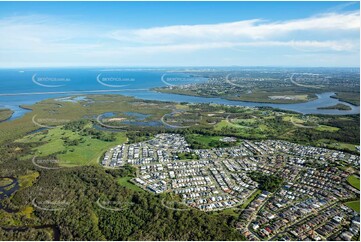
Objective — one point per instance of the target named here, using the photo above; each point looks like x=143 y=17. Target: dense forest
x=266 y=182
x=76 y=191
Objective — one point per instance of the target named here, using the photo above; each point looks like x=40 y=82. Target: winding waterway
x=7 y=191
x=20 y=88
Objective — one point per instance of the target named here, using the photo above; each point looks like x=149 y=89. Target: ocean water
x=28 y=86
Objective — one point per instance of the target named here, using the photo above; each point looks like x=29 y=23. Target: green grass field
x=248 y=121
x=207 y=141
x=355 y=205
x=85 y=153
x=290 y=118
x=221 y=125
x=234 y=124
x=125 y=182
x=354 y=181
x=327 y=128
x=336 y=145
x=245 y=131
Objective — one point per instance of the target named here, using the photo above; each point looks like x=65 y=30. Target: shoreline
x=221 y=101
x=236 y=100
x=8 y=118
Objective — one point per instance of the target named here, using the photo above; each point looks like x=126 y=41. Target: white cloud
x=42 y=33
x=254 y=29
x=63 y=40
x=304 y=46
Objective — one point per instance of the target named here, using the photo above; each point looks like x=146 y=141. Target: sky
x=75 y=34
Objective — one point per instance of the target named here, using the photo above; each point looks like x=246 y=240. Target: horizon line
x=180 y=66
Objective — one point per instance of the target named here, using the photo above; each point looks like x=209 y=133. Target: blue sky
x=179 y=34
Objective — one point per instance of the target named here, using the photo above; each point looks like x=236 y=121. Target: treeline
x=144 y=219
x=84 y=128
x=349 y=128
x=266 y=182
x=29 y=234
x=135 y=137
x=98 y=134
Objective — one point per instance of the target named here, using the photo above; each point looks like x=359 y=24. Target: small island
x=338 y=106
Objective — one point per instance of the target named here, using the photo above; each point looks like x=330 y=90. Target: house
x=346 y=236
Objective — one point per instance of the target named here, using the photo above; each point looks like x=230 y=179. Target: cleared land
x=125 y=182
